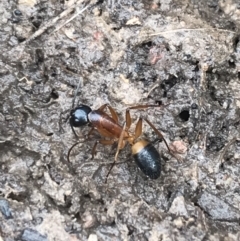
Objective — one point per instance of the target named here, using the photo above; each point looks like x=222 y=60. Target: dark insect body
x=144 y=153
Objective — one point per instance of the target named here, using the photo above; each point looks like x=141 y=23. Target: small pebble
x=92 y=237
x=4 y=208
x=32 y=235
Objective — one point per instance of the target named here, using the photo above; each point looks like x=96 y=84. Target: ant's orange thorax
x=105 y=124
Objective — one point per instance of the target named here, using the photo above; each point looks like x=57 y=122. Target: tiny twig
x=185 y=30
x=53 y=21
x=69 y=20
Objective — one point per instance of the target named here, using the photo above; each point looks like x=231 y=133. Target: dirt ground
x=183 y=54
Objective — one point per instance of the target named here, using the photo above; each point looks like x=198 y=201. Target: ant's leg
x=128 y=119
x=120 y=142
x=158 y=133
x=103 y=142
x=109 y=142
x=136 y=107
x=69 y=151
x=112 y=111
x=94 y=149
x=138 y=129
x=161 y=136
x=148 y=106
x=128 y=116
x=73 y=131
x=90 y=132
x=120 y=146
x=103 y=107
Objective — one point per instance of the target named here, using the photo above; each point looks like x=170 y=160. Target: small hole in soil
x=231 y=64
x=87 y=196
x=130 y=230
x=54 y=94
x=116 y=28
x=184 y=115
x=20 y=39
x=221 y=166
x=169 y=194
x=167 y=47
x=148 y=44
x=159 y=102
x=16 y=197
x=196 y=69
x=113 y=223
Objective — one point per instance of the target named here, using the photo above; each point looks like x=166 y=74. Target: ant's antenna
x=76 y=92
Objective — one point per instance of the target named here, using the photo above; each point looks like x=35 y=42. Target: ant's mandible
x=144 y=153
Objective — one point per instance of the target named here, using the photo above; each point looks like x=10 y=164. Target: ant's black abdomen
x=79 y=116
x=147 y=158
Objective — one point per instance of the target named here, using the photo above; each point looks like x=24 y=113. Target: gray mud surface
x=184 y=54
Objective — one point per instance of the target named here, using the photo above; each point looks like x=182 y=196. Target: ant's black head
x=79 y=116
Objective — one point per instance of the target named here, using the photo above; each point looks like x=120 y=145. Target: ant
x=144 y=153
